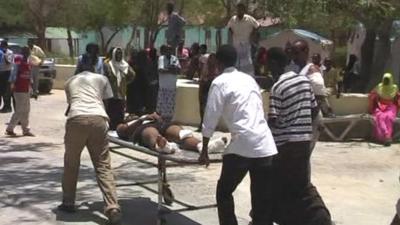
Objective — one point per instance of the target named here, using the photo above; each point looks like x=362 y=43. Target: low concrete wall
x=63 y=73
x=187 y=103
x=349 y=104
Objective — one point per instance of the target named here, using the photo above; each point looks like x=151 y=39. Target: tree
x=40 y=13
x=101 y=14
x=69 y=16
x=377 y=16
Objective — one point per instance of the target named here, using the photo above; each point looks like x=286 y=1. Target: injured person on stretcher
x=152 y=132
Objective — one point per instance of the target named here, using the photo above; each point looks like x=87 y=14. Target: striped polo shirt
x=291 y=103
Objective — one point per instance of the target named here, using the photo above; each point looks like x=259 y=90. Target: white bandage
x=185 y=134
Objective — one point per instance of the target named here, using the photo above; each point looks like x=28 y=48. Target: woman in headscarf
x=119 y=73
x=383 y=105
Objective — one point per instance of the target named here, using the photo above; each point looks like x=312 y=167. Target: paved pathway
x=358 y=181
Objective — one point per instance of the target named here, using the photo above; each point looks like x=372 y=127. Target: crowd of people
x=136 y=98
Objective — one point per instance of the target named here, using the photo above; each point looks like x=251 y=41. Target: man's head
x=4 y=44
x=87 y=64
x=277 y=61
x=163 y=49
x=226 y=56
x=170 y=8
x=195 y=49
x=31 y=42
x=240 y=10
x=328 y=63
x=26 y=52
x=168 y=50
x=93 y=49
x=300 y=52
x=203 y=49
x=316 y=59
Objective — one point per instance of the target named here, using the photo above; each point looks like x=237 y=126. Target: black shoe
x=35 y=96
x=387 y=143
x=114 y=217
x=67 y=208
x=11 y=133
x=5 y=110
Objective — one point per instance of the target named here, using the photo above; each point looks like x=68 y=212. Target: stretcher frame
x=163 y=187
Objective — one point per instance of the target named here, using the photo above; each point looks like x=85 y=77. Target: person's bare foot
x=163 y=146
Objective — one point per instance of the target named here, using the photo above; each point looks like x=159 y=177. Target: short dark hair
x=304 y=44
x=241 y=5
x=227 y=55
x=4 y=43
x=91 y=46
x=86 y=64
x=203 y=46
x=277 y=54
x=170 y=6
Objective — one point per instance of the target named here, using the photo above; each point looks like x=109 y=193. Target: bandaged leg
x=183 y=134
x=163 y=146
x=214 y=146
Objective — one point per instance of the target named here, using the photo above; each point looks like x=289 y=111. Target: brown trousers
x=89 y=131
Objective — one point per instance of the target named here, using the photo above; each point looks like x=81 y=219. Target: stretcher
x=179 y=158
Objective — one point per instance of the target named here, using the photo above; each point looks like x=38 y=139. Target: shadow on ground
x=9 y=146
x=136 y=211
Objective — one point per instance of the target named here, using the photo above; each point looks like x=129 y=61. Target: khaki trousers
x=21 y=112
x=89 y=131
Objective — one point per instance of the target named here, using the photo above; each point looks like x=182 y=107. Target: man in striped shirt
x=292 y=110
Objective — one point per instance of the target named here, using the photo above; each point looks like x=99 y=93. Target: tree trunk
x=382 y=54
x=147 y=37
x=218 y=38
x=367 y=57
x=70 y=44
x=41 y=34
x=129 y=46
x=111 y=38
x=154 y=36
x=102 y=47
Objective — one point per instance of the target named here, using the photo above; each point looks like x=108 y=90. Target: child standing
x=20 y=81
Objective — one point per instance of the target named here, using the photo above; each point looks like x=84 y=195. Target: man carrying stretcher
x=152 y=132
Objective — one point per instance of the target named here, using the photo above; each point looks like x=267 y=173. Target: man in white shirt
x=87 y=126
x=236 y=97
x=37 y=57
x=242 y=26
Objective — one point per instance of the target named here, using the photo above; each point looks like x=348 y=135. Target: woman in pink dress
x=383 y=105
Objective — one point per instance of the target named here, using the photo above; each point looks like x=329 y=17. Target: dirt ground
x=358 y=181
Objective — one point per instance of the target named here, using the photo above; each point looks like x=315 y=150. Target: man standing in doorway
x=293 y=107
x=5 y=71
x=87 y=126
x=174 y=31
x=242 y=27
x=237 y=98
x=37 y=58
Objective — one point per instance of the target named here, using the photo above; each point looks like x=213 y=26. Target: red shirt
x=23 y=79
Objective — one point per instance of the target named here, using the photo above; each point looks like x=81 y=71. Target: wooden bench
x=343 y=128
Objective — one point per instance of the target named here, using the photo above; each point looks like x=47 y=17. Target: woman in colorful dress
x=383 y=105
